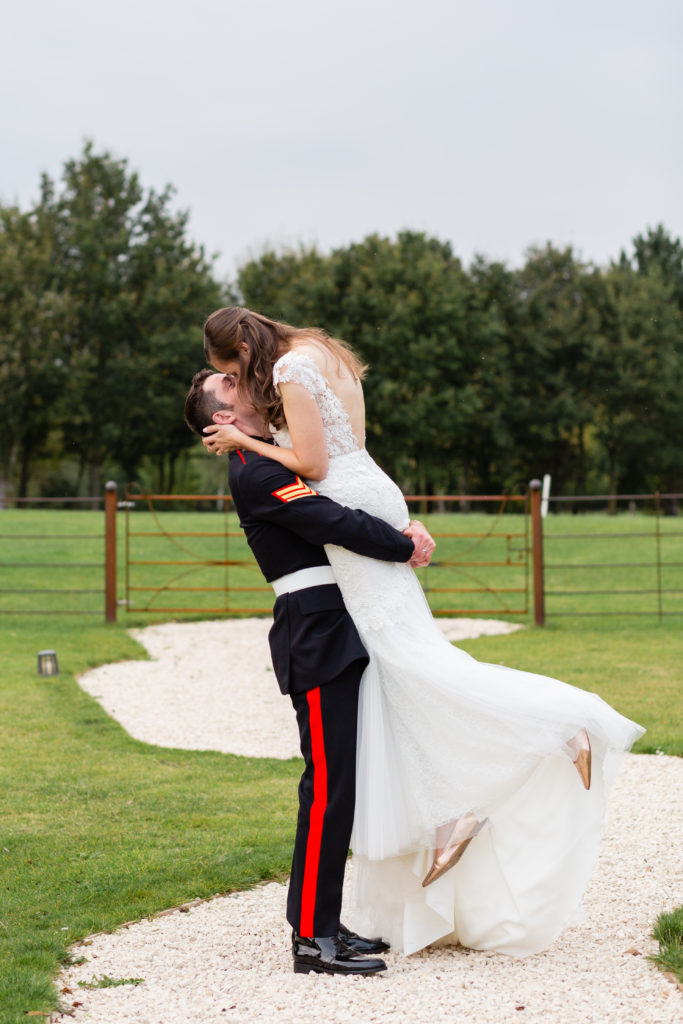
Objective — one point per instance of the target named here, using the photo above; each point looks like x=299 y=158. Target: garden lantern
x=47 y=663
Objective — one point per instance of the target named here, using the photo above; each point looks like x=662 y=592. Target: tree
x=138 y=292
x=657 y=249
x=401 y=304
x=554 y=401
x=639 y=375
x=495 y=345
x=33 y=318
x=657 y=252
x=295 y=285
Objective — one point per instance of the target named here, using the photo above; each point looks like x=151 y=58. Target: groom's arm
x=274 y=494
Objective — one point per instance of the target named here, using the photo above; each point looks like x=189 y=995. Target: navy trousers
x=328 y=720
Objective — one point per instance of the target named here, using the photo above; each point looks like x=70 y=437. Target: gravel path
x=228 y=959
x=200 y=671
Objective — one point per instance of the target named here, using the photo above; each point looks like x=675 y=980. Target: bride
x=481 y=789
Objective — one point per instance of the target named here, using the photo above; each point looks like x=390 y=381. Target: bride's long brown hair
x=225 y=331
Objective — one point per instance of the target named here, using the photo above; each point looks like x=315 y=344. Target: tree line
x=102 y=297
x=479 y=377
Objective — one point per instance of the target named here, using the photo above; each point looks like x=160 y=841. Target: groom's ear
x=223 y=416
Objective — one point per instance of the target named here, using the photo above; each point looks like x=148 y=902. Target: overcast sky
x=494 y=125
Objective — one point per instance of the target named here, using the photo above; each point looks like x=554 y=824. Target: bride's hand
x=223 y=438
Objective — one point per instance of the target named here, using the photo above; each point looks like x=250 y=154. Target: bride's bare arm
x=306 y=432
x=308 y=454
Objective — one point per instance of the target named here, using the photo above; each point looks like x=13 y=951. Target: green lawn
x=97 y=828
x=668 y=932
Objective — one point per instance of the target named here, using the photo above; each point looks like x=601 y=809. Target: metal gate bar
x=183 y=542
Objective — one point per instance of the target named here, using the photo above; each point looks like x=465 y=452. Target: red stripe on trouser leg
x=315 y=827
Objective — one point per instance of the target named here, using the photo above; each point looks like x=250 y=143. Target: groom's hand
x=423 y=541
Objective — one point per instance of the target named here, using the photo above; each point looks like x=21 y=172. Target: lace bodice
x=375 y=592
x=298 y=368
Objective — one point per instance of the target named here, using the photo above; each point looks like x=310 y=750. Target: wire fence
x=629 y=562
x=39 y=573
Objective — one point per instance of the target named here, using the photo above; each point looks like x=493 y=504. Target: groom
x=318 y=659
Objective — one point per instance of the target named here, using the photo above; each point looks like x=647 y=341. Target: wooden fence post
x=537 y=551
x=110 y=551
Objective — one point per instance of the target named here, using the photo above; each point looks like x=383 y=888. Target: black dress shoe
x=360 y=944
x=331 y=955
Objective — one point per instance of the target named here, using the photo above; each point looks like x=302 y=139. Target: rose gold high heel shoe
x=579 y=748
x=459 y=835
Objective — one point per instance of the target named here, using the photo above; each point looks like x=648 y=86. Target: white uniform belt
x=315 y=576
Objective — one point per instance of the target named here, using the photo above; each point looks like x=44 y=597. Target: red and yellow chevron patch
x=293 y=491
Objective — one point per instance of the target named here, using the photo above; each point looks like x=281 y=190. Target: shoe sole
x=300 y=968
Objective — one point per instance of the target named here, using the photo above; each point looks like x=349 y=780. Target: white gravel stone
x=200 y=671
x=228 y=959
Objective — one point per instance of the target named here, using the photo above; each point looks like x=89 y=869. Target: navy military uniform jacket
x=313 y=638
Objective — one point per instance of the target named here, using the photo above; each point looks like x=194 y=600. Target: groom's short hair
x=200 y=404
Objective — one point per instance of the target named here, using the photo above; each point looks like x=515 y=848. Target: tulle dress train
x=441 y=735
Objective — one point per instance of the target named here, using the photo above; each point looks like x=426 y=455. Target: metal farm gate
x=182 y=563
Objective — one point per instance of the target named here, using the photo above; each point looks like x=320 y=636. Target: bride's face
x=235 y=368
x=230 y=367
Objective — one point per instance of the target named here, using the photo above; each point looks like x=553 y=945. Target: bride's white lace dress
x=441 y=734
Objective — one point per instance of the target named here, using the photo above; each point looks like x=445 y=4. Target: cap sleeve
x=298 y=368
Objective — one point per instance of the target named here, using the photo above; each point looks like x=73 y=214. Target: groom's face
x=236 y=404
x=222 y=387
